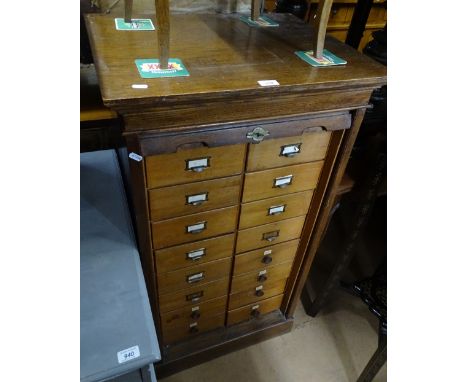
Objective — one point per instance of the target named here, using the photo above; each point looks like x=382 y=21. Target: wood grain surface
x=177 y=231
x=186 y=199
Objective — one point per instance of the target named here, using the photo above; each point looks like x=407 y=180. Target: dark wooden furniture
x=232 y=182
x=373 y=292
x=350 y=16
x=99 y=126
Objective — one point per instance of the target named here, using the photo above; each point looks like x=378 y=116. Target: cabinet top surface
x=225 y=58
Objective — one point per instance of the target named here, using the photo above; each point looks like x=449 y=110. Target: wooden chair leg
x=376 y=362
x=128 y=11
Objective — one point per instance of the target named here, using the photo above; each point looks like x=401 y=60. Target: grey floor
x=333 y=347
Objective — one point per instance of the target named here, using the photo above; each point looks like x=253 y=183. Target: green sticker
x=328 y=59
x=135 y=25
x=262 y=21
x=149 y=68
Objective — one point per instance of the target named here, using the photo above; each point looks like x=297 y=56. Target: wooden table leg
x=128 y=11
x=255 y=9
x=320 y=26
x=163 y=28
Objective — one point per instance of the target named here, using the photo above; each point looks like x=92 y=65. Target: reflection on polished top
x=225 y=57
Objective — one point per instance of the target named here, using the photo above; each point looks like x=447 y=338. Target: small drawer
x=196 y=275
x=274 y=209
x=193 y=165
x=186 y=199
x=189 y=314
x=266 y=277
x=281 y=152
x=199 y=252
x=281 y=181
x=257 y=293
x=255 y=310
x=191 y=329
x=194 y=227
x=265 y=257
x=269 y=234
x=193 y=296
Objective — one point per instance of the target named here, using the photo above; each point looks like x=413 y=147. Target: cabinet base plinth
x=207 y=346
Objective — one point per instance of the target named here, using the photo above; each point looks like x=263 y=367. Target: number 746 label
x=128 y=354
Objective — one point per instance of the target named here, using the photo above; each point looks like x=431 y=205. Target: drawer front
x=266 y=277
x=178 y=333
x=187 y=315
x=194 y=164
x=265 y=257
x=186 y=199
x=253 y=295
x=274 y=209
x=286 y=151
x=194 y=295
x=268 y=234
x=255 y=310
x=199 y=252
x=196 y=275
x=281 y=181
x=194 y=227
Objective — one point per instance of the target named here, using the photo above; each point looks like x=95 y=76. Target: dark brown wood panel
x=242 y=54
x=170 y=139
x=273 y=105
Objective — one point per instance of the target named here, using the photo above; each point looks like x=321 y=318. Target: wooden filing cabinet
x=230 y=181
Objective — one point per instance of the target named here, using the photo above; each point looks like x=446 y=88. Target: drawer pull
x=267 y=259
x=193 y=328
x=257 y=134
x=196 y=255
x=195 y=315
x=290 y=151
x=276 y=210
x=262 y=278
x=193 y=297
x=283 y=181
x=196 y=228
x=196 y=200
x=196 y=277
x=259 y=291
x=255 y=312
x=270 y=236
x=198 y=164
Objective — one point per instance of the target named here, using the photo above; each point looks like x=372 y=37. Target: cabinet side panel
x=141 y=214
x=316 y=221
